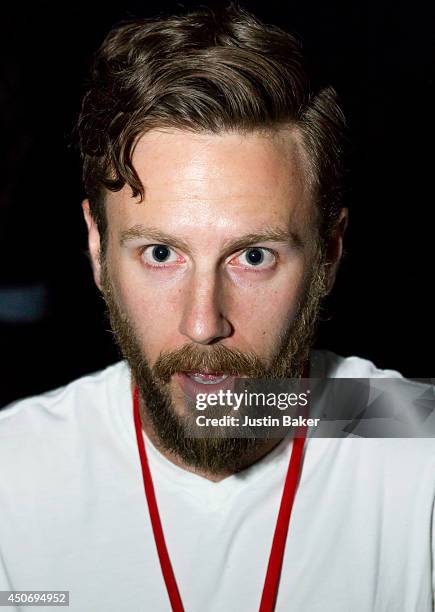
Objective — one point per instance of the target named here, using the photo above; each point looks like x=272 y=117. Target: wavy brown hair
x=211 y=70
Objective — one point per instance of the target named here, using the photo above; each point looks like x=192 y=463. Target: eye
x=160 y=255
x=255 y=257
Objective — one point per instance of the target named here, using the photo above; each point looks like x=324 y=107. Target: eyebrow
x=151 y=233
x=286 y=237
x=268 y=234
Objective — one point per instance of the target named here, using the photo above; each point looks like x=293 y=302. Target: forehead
x=216 y=182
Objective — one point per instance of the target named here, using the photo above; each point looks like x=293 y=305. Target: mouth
x=205 y=378
x=194 y=383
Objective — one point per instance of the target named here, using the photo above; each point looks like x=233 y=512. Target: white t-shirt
x=73 y=514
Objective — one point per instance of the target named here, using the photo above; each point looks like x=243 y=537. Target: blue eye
x=160 y=252
x=160 y=256
x=255 y=256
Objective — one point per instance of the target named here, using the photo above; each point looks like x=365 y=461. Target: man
x=215 y=225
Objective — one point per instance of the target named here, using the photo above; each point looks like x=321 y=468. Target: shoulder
x=63 y=405
x=52 y=443
x=391 y=415
x=326 y=364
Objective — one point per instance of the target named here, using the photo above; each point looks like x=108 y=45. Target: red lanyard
x=270 y=588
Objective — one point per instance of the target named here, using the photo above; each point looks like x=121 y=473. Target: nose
x=203 y=319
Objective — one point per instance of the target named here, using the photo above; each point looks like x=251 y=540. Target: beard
x=173 y=432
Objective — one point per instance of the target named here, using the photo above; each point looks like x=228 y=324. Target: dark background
x=380 y=57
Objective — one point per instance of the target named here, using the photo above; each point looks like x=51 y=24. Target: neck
x=174 y=458
x=255 y=455
x=261 y=452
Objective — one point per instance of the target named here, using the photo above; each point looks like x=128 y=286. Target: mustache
x=216 y=359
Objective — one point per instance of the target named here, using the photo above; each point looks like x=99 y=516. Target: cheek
x=262 y=310
x=263 y=321
x=153 y=310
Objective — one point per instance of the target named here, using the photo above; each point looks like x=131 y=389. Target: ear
x=334 y=249
x=93 y=243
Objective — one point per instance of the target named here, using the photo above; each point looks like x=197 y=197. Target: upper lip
x=205 y=372
x=209 y=373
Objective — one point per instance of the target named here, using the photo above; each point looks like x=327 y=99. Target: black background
x=380 y=57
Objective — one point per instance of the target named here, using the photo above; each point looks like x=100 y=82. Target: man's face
x=219 y=255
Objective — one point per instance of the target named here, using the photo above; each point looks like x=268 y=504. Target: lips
x=193 y=383
x=207 y=379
